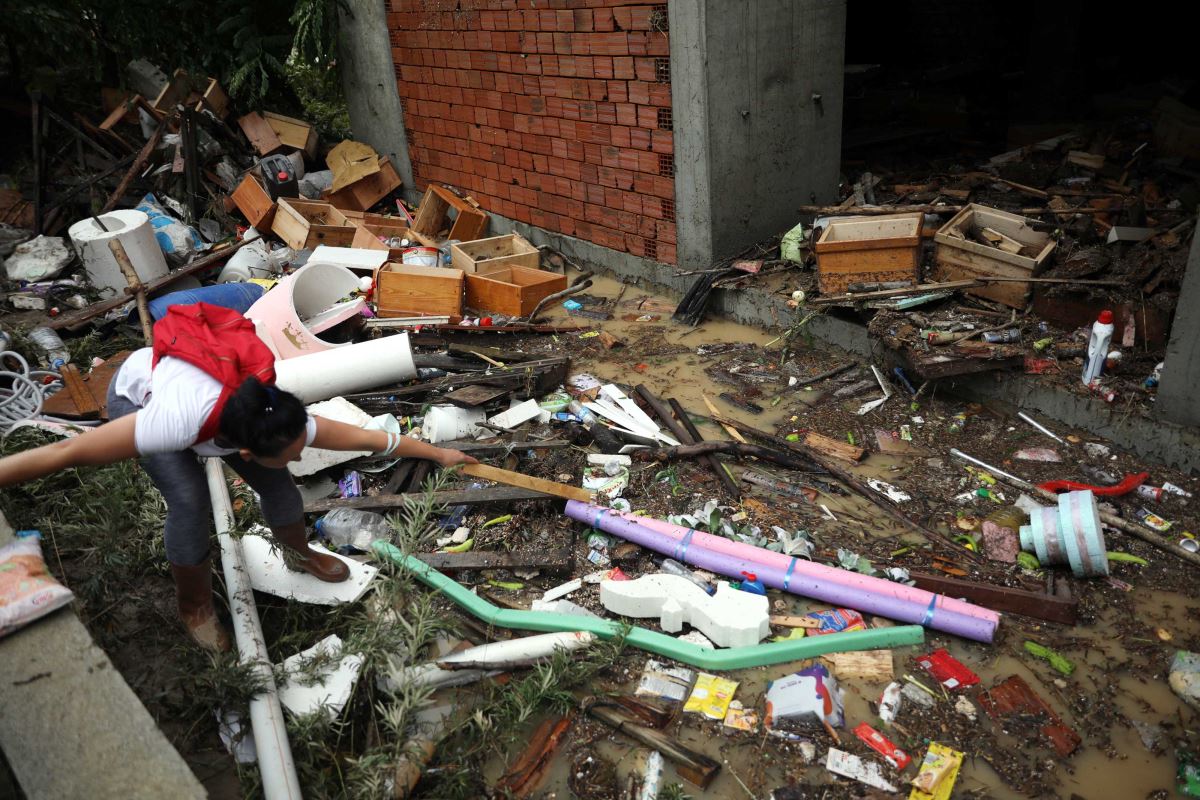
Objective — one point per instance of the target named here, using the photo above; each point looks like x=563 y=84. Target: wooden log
x=458 y=497
x=1039 y=605
x=829 y=373
x=714 y=463
x=138 y=164
x=559 y=559
x=527 y=482
x=736 y=449
x=664 y=413
x=696 y=768
x=835 y=448
x=136 y=286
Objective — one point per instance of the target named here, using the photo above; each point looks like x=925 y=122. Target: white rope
x=22 y=394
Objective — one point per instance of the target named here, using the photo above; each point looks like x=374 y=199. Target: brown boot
x=193 y=593
x=321 y=566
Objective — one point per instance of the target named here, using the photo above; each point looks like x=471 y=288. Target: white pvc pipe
x=266 y=716
x=344 y=370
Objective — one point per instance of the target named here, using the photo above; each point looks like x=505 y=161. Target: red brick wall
x=556 y=113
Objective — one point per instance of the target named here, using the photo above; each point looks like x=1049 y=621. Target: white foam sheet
x=314 y=459
x=332 y=691
x=269 y=574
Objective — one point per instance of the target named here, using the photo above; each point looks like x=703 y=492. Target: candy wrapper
x=948 y=670
x=837 y=620
x=880 y=744
x=711 y=697
x=938 y=772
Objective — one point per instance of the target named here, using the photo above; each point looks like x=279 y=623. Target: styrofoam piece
x=269 y=574
x=345 y=370
x=449 y=423
x=237 y=738
x=600 y=459
x=614 y=395
x=335 y=684
x=839 y=762
x=561 y=607
x=730 y=618
x=486 y=659
x=349 y=257
x=335 y=315
x=133 y=230
x=303 y=295
x=562 y=590
x=315 y=459
x=522 y=412
x=617 y=415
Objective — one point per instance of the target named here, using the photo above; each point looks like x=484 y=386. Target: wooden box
x=514 y=291
x=958 y=256
x=304 y=224
x=403 y=290
x=433 y=217
x=489 y=255
x=367 y=236
x=256 y=205
x=364 y=193
x=293 y=133
x=260 y=135
x=868 y=250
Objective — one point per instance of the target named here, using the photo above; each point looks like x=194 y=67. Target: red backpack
x=219 y=341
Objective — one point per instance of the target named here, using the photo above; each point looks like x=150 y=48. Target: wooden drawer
x=489 y=255
x=403 y=290
x=304 y=224
x=959 y=257
x=514 y=291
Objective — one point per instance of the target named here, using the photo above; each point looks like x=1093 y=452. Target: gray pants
x=180 y=478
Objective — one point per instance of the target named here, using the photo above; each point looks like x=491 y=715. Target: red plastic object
x=1105 y=318
x=1130 y=484
x=880 y=744
x=948 y=670
x=1014 y=698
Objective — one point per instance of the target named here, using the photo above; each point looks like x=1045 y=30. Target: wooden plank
x=472 y=396
x=527 y=482
x=874 y=666
x=835 y=448
x=1039 y=605
x=458 y=497
x=85 y=405
x=292 y=132
x=476 y=448
x=881 y=293
x=538 y=559
x=791 y=621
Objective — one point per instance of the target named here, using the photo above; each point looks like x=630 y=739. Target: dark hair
x=262 y=419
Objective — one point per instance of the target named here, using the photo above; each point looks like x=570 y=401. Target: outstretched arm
x=107 y=444
x=332 y=435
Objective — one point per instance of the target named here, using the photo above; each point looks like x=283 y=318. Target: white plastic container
x=421 y=257
x=449 y=423
x=135 y=233
x=1102 y=332
x=345 y=370
x=304 y=304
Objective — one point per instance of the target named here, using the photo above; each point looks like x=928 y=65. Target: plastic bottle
x=750 y=583
x=56 y=352
x=673 y=567
x=605 y=439
x=353 y=527
x=1097 y=351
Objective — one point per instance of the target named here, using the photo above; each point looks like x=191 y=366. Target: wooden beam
x=538 y=559
x=461 y=497
x=527 y=482
x=1039 y=605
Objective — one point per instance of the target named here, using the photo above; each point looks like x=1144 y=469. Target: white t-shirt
x=174 y=400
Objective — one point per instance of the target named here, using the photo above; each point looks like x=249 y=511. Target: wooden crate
x=433 y=217
x=958 y=256
x=261 y=135
x=304 y=224
x=293 y=133
x=489 y=255
x=403 y=290
x=868 y=250
x=366 y=192
x=368 y=233
x=256 y=205
x=514 y=291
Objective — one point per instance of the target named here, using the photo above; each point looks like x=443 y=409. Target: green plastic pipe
x=759 y=655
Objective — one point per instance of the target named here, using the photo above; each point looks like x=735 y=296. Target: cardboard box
x=868 y=250
x=367 y=191
x=489 y=255
x=402 y=290
x=514 y=291
x=434 y=216
x=959 y=257
x=256 y=205
x=368 y=233
x=304 y=224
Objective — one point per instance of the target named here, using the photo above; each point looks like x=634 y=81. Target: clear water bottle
x=673 y=567
x=55 y=353
x=352 y=527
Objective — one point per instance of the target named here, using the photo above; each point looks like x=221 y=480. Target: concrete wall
x=752 y=144
x=369 y=82
x=1178 y=399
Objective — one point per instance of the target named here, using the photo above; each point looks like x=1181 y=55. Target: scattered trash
x=880 y=744
x=1059 y=662
x=948 y=670
x=27 y=590
x=937 y=774
x=711 y=696
x=848 y=765
x=810 y=696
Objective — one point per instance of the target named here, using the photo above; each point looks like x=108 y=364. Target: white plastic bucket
x=421 y=256
x=449 y=423
x=135 y=233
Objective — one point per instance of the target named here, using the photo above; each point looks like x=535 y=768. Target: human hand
x=452 y=458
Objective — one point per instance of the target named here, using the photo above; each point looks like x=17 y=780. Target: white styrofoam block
x=730 y=618
x=562 y=590
x=522 y=412
x=331 y=692
x=614 y=395
x=314 y=459
x=269 y=574
x=349 y=257
x=600 y=459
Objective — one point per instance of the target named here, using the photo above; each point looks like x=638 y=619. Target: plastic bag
x=27 y=591
x=178 y=241
x=38 y=259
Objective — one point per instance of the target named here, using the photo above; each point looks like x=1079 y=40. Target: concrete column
x=751 y=141
x=1178 y=399
x=369 y=82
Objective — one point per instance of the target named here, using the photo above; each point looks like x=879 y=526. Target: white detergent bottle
x=1102 y=333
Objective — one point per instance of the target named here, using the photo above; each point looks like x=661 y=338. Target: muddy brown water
x=1121 y=664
